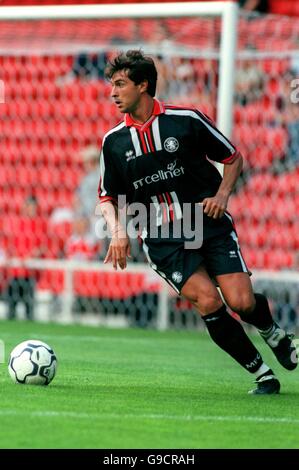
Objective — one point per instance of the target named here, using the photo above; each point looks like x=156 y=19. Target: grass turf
x=142 y=389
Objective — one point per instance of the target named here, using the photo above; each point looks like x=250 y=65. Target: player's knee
x=208 y=303
x=242 y=303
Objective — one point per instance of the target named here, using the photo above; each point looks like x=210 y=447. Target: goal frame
x=227 y=11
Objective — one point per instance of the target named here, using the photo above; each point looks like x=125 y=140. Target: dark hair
x=138 y=66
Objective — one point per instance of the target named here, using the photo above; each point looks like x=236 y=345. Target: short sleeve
x=211 y=141
x=109 y=182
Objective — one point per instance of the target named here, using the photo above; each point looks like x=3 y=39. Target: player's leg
x=225 y=331
x=184 y=271
x=254 y=309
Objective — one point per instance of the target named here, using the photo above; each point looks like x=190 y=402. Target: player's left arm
x=215 y=206
x=220 y=149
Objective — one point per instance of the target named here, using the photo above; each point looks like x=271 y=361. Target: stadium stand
x=44 y=124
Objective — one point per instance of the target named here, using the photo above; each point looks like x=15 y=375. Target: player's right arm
x=119 y=247
x=109 y=189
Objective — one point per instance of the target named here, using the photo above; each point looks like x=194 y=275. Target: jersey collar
x=158 y=109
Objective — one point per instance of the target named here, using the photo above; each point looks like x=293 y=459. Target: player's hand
x=215 y=206
x=119 y=250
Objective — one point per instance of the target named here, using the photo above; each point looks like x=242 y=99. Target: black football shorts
x=172 y=261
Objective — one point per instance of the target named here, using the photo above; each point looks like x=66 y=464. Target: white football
x=32 y=362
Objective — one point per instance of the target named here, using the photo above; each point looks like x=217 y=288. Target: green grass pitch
x=132 y=388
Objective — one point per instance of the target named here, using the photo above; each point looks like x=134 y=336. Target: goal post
x=227 y=11
x=48 y=121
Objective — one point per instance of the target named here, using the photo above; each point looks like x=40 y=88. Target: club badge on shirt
x=171 y=144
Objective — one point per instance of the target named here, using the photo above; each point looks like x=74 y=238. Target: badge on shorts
x=171 y=144
x=177 y=276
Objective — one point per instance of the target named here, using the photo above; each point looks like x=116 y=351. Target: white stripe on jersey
x=235 y=238
x=156 y=133
x=116 y=128
x=102 y=173
x=158 y=210
x=146 y=143
x=215 y=132
x=176 y=205
x=135 y=141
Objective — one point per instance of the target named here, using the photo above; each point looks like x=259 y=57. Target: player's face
x=125 y=94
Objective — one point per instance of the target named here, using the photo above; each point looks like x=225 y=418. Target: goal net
x=55 y=109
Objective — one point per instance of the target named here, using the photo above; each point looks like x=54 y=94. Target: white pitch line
x=81 y=338
x=96 y=339
x=92 y=416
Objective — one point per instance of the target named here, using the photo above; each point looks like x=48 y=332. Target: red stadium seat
x=46 y=123
x=112 y=285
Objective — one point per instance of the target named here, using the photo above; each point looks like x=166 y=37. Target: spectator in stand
x=28 y=240
x=90 y=66
x=85 y=195
x=249 y=82
x=183 y=83
x=292 y=155
x=86 y=66
x=260 y=6
x=291 y=118
x=85 y=200
x=288 y=117
x=81 y=245
x=296 y=262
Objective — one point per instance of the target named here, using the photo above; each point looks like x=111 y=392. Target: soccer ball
x=32 y=362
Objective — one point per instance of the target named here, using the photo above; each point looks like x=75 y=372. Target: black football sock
x=261 y=316
x=263 y=370
x=229 y=335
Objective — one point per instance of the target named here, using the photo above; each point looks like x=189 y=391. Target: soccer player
x=157 y=156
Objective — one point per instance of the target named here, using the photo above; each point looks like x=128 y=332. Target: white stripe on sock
x=262 y=370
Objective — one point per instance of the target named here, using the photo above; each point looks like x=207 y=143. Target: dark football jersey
x=165 y=162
